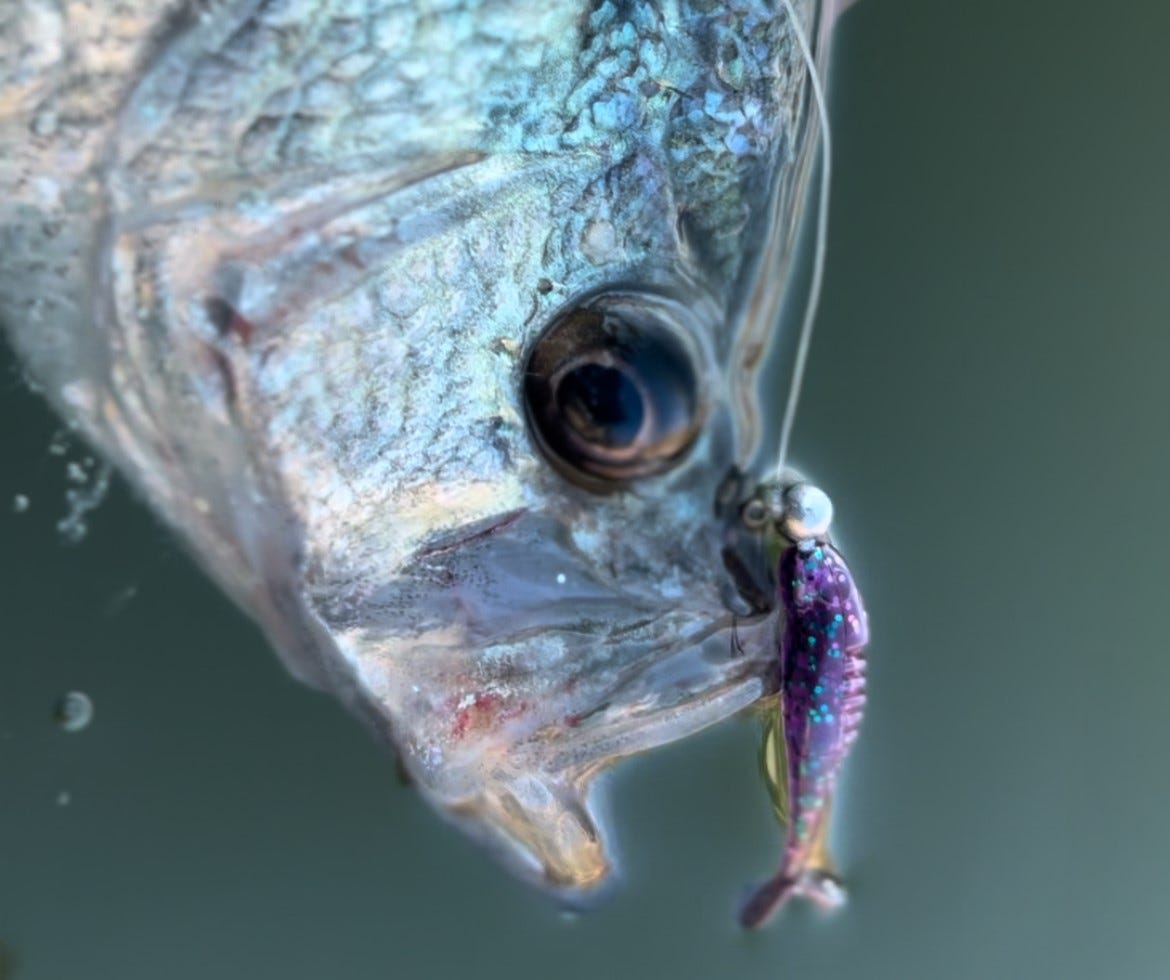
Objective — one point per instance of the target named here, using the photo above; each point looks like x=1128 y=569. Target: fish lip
x=633 y=725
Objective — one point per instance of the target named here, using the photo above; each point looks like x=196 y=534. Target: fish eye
x=612 y=394
x=755 y=514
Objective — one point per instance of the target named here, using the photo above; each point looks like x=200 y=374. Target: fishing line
x=818 y=270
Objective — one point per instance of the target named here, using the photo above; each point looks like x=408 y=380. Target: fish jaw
x=509 y=671
x=522 y=778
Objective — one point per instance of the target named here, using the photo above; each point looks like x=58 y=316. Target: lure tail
x=815 y=884
x=807 y=872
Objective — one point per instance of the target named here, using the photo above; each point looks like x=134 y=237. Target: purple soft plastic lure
x=822 y=695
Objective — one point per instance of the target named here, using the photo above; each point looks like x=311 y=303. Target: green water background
x=988 y=403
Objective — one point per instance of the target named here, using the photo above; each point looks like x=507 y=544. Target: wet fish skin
x=282 y=263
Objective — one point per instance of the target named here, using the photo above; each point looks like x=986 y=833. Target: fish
x=432 y=330
x=822 y=693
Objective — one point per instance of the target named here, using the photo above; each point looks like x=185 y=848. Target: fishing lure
x=814 y=721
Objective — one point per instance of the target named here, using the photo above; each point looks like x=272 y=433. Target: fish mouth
x=509 y=671
x=520 y=775
x=541 y=807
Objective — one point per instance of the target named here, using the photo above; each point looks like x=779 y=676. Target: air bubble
x=74 y=711
x=81 y=500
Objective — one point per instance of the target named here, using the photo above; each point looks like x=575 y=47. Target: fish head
x=445 y=372
x=502 y=454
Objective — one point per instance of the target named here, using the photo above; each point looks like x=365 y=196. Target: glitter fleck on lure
x=815 y=721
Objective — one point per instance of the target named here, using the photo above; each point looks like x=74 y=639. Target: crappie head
x=432 y=331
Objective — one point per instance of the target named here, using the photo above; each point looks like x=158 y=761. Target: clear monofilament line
x=818 y=270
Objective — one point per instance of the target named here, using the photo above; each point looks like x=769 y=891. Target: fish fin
x=774 y=764
x=815 y=884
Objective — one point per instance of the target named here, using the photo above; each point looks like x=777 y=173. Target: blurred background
x=987 y=403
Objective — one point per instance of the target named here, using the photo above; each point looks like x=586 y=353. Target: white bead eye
x=808 y=512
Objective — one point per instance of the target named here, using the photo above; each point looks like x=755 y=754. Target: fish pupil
x=603 y=404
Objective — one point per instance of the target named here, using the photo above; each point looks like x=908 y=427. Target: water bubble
x=64 y=798
x=74 y=711
x=20 y=503
x=81 y=500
